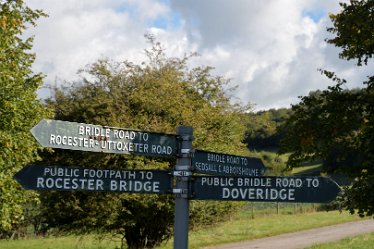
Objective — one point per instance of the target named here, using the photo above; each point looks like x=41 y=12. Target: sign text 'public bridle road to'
x=234 y=178
x=265 y=189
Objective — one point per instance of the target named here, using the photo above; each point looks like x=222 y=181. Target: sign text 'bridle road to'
x=86 y=137
x=207 y=162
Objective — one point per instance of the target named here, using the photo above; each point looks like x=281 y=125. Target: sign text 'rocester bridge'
x=96 y=180
x=220 y=176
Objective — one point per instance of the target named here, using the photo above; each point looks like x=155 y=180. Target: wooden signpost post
x=229 y=177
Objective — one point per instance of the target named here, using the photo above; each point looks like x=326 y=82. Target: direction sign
x=96 y=138
x=224 y=164
x=265 y=189
x=99 y=180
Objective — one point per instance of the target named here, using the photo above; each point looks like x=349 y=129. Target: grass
x=310 y=170
x=238 y=228
x=365 y=241
x=65 y=242
x=257 y=221
x=243 y=227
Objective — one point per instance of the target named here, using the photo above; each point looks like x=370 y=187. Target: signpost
x=86 y=137
x=265 y=189
x=236 y=178
x=228 y=165
x=98 y=180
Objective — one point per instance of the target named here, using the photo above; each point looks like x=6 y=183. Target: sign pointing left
x=99 y=180
x=95 y=138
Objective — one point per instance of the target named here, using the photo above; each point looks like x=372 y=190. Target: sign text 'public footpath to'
x=98 y=180
x=229 y=165
x=265 y=189
x=236 y=178
x=96 y=138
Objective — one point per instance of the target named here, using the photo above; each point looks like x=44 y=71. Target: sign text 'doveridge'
x=274 y=189
x=86 y=137
x=241 y=177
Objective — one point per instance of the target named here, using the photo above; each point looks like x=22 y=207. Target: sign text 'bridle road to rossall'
x=95 y=138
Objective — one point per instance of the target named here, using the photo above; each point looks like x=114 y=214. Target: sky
x=270 y=49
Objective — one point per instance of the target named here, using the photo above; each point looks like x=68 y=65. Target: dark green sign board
x=86 y=137
x=236 y=178
x=265 y=189
x=98 y=180
x=223 y=164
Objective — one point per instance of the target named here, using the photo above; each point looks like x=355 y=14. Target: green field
x=365 y=241
x=243 y=227
x=256 y=220
x=240 y=227
x=65 y=242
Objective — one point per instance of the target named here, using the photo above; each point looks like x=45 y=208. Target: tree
x=263 y=128
x=354 y=30
x=19 y=108
x=341 y=121
x=156 y=95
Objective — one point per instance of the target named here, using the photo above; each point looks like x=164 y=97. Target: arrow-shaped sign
x=86 y=137
x=98 y=180
x=228 y=165
x=265 y=189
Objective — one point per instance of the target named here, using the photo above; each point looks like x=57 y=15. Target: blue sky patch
x=315 y=15
x=173 y=20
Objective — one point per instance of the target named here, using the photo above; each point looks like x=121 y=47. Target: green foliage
x=315 y=130
x=157 y=95
x=19 y=108
x=354 y=31
x=275 y=165
x=337 y=123
x=262 y=128
x=205 y=213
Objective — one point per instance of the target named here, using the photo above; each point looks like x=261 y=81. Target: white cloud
x=78 y=33
x=271 y=49
x=275 y=46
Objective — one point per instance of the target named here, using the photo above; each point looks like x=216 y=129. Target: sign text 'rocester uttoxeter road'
x=265 y=189
x=96 y=138
x=234 y=178
x=99 y=180
x=223 y=164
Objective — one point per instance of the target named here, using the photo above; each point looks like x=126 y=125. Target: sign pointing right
x=207 y=162
x=265 y=189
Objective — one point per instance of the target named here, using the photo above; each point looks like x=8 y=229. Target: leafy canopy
x=337 y=122
x=156 y=95
x=19 y=108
